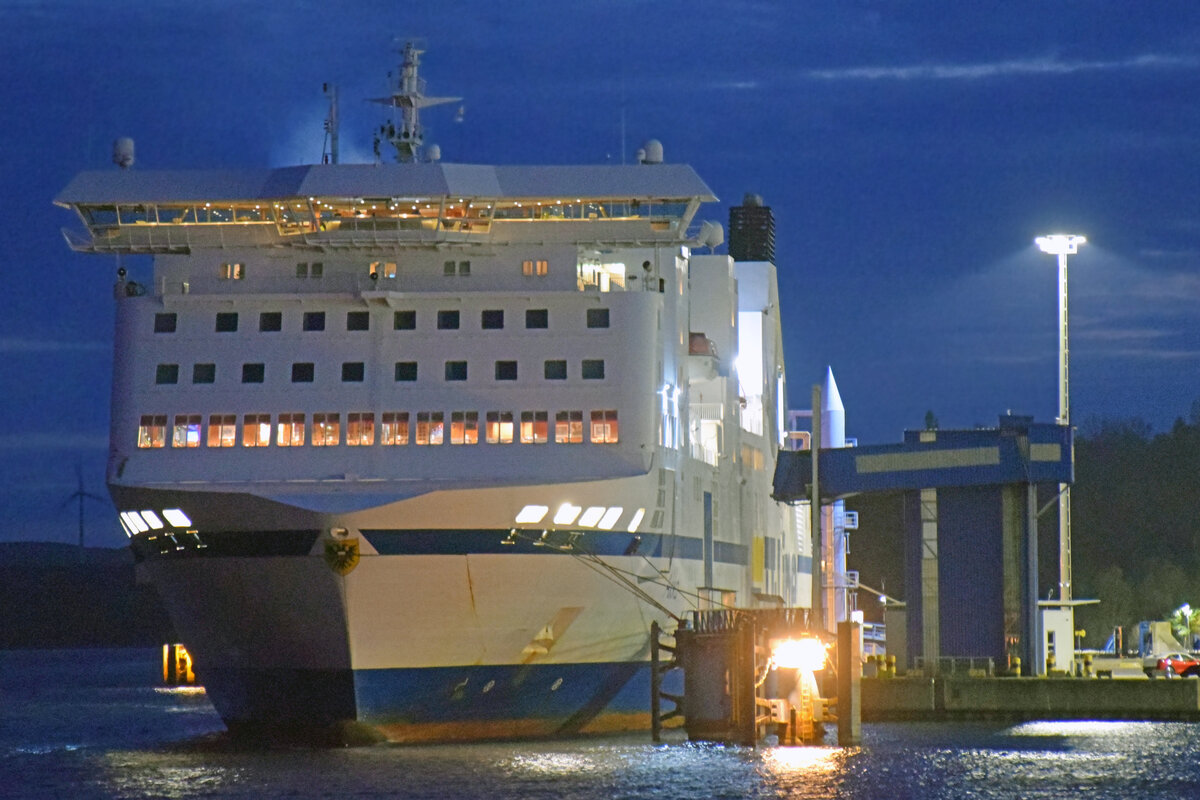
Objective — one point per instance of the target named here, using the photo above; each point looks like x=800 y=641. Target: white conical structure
x=837 y=605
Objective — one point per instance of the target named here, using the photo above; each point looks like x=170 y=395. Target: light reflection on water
x=110 y=735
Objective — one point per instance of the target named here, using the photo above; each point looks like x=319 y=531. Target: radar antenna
x=408 y=95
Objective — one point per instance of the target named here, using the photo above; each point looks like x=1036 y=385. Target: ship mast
x=408 y=95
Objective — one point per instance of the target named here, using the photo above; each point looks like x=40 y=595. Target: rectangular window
x=253 y=373
x=165 y=323
x=499 y=427
x=227 y=322
x=383 y=269
x=593 y=369
x=568 y=427
x=302 y=372
x=326 y=430
x=256 y=430
x=527 y=267
x=491 y=319
x=394 y=428
x=358 y=320
x=222 y=430
x=464 y=268
x=314 y=320
x=448 y=268
x=597 y=317
x=556 y=370
x=290 y=432
x=604 y=427
x=360 y=429
x=152 y=431
x=353 y=371
x=186 y=432
x=232 y=271
x=430 y=427
x=204 y=373
x=447 y=320
x=166 y=373
x=302 y=269
x=534 y=427
x=535 y=267
x=269 y=321
x=404 y=321
x=464 y=427
x=456 y=370
x=406 y=370
x=317 y=270
x=537 y=318
x=506 y=370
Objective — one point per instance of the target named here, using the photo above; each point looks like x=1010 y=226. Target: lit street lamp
x=1062 y=246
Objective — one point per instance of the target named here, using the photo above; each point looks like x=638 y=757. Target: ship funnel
x=123 y=152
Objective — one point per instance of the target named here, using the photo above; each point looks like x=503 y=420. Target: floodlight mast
x=1063 y=245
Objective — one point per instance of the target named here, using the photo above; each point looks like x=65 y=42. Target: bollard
x=1016 y=666
x=891 y=666
x=1087 y=665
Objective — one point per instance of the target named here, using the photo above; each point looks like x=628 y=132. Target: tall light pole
x=1063 y=245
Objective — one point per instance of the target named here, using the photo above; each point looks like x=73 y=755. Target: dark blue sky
x=911 y=152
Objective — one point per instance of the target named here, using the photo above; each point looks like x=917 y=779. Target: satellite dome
x=123 y=152
x=653 y=150
x=433 y=152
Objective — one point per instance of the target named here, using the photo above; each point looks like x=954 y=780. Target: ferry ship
x=420 y=450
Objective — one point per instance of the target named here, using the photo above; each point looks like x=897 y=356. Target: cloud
x=1027 y=66
x=17 y=345
x=54 y=441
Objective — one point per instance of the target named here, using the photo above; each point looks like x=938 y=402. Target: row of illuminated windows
x=447 y=320
x=555 y=369
x=379 y=269
x=395 y=428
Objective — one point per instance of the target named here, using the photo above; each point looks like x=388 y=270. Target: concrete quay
x=964 y=698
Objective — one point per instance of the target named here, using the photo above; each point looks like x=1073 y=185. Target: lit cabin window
x=152 y=431
x=604 y=427
x=464 y=427
x=499 y=427
x=360 y=429
x=186 y=431
x=326 y=430
x=568 y=427
x=430 y=427
x=535 y=427
x=383 y=269
x=222 y=430
x=596 y=275
x=535 y=267
x=394 y=428
x=256 y=430
x=232 y=271
x=290 y=432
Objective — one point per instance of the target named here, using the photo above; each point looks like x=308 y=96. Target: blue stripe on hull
x=442 y=703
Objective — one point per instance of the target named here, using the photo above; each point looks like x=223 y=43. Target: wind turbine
x=81 y=494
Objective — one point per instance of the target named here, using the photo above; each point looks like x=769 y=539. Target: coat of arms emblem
x=341 y=555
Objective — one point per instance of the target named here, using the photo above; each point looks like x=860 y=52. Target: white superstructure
x=428 y=446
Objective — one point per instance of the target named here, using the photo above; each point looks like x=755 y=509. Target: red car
x=1181 y=664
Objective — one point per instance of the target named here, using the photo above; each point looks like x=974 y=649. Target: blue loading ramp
x=970 y=527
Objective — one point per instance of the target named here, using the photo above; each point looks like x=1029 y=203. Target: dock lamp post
x=1063 y=245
